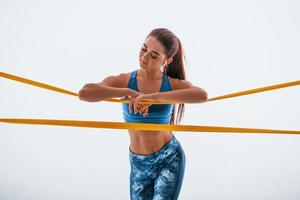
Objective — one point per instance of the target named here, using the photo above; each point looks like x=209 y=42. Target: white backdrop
x=229 y=45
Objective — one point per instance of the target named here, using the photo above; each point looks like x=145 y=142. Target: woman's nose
x=144 y=57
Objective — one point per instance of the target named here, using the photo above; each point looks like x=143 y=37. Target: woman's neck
x=150 y=74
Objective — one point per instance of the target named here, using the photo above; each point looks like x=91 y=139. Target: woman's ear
x=169 y=60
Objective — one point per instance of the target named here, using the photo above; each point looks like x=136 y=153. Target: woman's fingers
x=136 y=105
x=130 y=105
x=143 y=110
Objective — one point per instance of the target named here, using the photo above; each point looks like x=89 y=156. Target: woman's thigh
x=168 y=181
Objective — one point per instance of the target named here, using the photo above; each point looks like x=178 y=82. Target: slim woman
x=156 y=157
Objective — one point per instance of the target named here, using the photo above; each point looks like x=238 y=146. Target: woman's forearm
x=94 y=92
x=189 y=95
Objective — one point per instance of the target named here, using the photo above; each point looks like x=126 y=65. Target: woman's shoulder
x=178 y=84
x=123 y=78
x=119 y=80
x=124 y=75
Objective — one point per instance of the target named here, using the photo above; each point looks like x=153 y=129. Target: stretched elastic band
x=236 y=94
x=145 y=126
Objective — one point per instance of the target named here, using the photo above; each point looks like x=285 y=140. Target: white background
x=229 y=45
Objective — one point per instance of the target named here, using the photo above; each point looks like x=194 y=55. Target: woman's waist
x=147 y=142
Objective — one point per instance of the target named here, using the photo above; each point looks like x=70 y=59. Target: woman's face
x=152 y=54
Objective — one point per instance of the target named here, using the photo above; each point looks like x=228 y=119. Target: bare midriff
x=148 y=142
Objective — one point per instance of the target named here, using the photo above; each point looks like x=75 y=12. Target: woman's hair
x=175 y=69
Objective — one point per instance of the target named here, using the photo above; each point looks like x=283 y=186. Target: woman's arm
x=93 y=92
x=189 y=95
x=183 y=92
x=110 y=87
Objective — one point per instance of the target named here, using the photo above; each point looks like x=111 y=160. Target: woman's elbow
x=203 y=96
x=90 y=95
x=83 y=94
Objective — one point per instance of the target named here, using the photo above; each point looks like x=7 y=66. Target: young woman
x=156 y=157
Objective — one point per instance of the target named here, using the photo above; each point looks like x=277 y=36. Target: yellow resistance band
x=236 y=94
x=145 y=126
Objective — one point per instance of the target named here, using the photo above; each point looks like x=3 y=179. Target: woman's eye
x=154 y=57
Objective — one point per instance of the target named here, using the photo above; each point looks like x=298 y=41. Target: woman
x=156 y=157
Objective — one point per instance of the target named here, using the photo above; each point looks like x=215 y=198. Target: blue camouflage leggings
x=158 y=175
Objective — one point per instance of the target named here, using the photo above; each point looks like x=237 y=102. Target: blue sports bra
x=157 y=113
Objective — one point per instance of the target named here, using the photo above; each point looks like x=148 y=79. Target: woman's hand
x=138 y=107
x=135 y=102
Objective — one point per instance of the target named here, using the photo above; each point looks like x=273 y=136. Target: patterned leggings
x=158 y=175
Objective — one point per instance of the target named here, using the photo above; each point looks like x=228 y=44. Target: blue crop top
x=157 y=113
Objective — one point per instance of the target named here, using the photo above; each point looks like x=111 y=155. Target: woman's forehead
x=153 y=44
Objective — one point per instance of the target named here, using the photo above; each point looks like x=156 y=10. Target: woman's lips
x=144 y=64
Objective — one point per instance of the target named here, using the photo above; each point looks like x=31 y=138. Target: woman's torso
x=147 y=142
